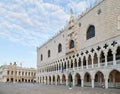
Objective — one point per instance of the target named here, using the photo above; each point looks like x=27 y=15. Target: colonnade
x=95 y=66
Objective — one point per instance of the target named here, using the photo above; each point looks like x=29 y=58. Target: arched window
x=90 y=32
x=48 y=53
x=59 y=48
x=41 y=57
x=71 y=45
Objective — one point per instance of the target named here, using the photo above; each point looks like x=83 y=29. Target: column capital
x=114 y=52
x=105 y=53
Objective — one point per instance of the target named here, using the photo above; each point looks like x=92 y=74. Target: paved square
x=25 y=88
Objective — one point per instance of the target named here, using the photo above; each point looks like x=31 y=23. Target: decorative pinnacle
x=71 y=11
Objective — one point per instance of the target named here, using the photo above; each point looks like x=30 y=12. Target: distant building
x=14 y=73
x=86 y=52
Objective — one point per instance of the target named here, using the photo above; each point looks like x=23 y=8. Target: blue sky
x=27 y=24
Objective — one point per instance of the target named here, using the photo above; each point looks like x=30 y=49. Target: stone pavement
x=25 y=88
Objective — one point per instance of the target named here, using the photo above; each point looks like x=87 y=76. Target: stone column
x=77 y=62
x=66 y=65
x=92 y=61
x=70 y=64
x=73 y=80
x=48 y=81
x=106 y=83
x=82 y=82
x=56 y=81
x=93 y=83
x=105 y=58
x=98 y=60
x=51 y=80
x=82 y=64
x=61 y=81
x=114 y=58
x=73 y=64
x=67 y=82
x=87 y=63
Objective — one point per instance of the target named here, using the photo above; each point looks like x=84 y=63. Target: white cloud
x=30 y=22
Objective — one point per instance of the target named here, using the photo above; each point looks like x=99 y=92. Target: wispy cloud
x=30 y=22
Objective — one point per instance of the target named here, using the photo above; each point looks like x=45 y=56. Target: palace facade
x=14 y=73
x=86 y=52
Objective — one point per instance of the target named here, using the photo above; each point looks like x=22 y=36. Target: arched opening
x=114 y=79
x=87 y=80
x=19 y=80
x=46 y=80
x=84 y=61
x=102 y=58
x=59 y=48
x=95 y=60
x=75 y=63
x=63 y=79
x=58 y=80
x=57 y=66
x=22 y=79
x=41 y=57
x=7 y=80
x=90 y=32
x=71 y=44
x=53 y=80
x=79 y=63
x=29 y=81
x=70 y=79
x=99 y=79
x=43 y=79
x=109 y=56
x=48 y=53
x=40 y=80
x=32 y=81
x=77 y=80
x=65 y=65
x=68 y=64
x=71 y=63
x=26 y=80
x=118 y=53
x=12 y=79
x=50 y=80
x=62 y=68
x=89 y=60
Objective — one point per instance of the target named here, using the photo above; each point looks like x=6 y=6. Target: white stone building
x=86 y=52
x=15 y=73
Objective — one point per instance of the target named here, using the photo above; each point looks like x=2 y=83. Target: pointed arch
x=71 y=44
x=99 y=79
x=118 y=53
x=58 y=79
x=77 y=79
x=95 y=59
x=102 y=57
x=90 y=32
x=87 y=79
x=41 y=57
x=110 y=55
x=84 y=61
x=114 y=79
x=63 y=79
x=89 y=60
x=59 y=48
x=49 y=53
